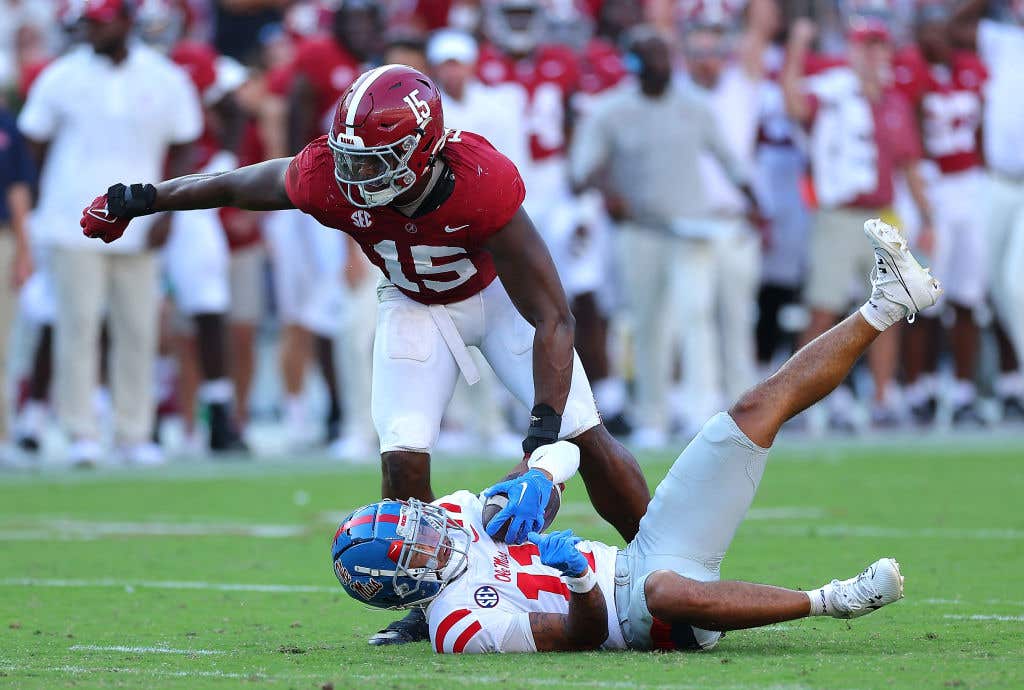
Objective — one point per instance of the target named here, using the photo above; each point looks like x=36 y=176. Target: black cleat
x=224 y=439
x=29 y=444
x=412 y=628
x=1013 y=408
x=924 y=413
x=966 y=415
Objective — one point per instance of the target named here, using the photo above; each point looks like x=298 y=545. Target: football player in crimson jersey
x=196 y=254
x=945 y=86
x=555 y=592
x=439 y=213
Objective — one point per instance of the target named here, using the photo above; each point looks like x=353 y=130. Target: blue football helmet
x=397 y=554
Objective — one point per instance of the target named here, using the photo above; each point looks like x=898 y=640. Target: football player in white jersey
x=555 y=592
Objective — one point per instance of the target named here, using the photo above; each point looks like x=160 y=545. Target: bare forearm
x=584 y=627
x=257 y=187
x=19 y=202
x=917 y=190
x=553 y=361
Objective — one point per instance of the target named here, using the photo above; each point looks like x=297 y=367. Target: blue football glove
x=558 y=550
x=528 y=496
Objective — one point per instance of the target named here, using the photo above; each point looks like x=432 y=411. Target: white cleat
x=881 y=583
x=897 y=277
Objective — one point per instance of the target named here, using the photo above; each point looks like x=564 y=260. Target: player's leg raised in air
x=675 y=598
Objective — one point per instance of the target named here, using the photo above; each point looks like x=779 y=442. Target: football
x=494 y=504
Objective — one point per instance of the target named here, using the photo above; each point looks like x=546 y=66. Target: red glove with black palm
x=107 y=217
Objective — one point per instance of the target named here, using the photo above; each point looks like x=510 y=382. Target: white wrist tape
x=560 y=460
x=582 y=584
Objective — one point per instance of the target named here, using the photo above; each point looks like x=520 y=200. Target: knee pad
x=412 y=432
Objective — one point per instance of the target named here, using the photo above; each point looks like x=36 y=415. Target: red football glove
x=98 y=223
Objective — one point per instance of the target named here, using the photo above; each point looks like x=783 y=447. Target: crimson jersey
x=487 y=608
x=549 y=77
x=948 y=99
x=329 y=68
x=436 y=258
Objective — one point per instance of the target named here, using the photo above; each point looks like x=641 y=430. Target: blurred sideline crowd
x=700 y=170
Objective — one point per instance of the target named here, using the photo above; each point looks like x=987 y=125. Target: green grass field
x=202 y=575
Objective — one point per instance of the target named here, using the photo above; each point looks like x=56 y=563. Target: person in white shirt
x=1001 y=47
x=730 y=261
x=104 y=110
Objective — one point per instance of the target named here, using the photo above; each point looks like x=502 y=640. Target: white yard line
x=471 y=680
x=130 y=585
x=878 y=532
x=87 y=530
x=142 y=650
x=984 y=617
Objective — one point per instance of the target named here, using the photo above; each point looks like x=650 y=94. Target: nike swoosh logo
x=105 y=217
x=524 y=491
x=448 y=228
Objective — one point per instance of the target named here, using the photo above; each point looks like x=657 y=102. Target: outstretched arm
x=257 y=187
x=529 y=275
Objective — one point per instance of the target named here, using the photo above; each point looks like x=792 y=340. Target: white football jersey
x=487 y=609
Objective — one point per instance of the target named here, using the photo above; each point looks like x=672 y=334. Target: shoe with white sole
x=898 y=279
x=881 y=583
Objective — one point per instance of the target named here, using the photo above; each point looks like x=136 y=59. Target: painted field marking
x=984 y=617
x=131 y=585
x=87 y=530
x=472 y=680
x=142 y=650
x=879 y=532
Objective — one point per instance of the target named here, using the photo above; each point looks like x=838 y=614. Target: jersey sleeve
x=300 y=179
x=482 y=631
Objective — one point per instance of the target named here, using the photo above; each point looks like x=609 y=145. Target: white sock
x=819 y=600
x=217 y=391
x=881 y=313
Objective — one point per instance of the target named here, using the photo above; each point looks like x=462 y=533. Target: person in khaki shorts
x=15 y=259
x=861 y=131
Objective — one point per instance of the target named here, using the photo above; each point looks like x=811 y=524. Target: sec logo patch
x=486 y=597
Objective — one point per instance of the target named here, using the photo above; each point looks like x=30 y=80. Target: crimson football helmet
x=386 y=134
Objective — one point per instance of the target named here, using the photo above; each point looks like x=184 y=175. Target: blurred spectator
x=862 y=131
x=474 y=418
x=196 y=256
x=724 y=279
x=237 y=21
x=1001 y=47
x=641 y=145
x=308 y=259
x=945 y=87
x=106 y=110
x=16 y=176
x=781 y=167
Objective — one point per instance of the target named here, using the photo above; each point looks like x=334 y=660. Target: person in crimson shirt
x=945 y=87
x=862 y=131
x=440 y=213
x=196 y=255
x=324 y=66
x=557 y=85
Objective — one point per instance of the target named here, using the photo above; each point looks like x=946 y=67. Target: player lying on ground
x=556 y=592
x=439 y=211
